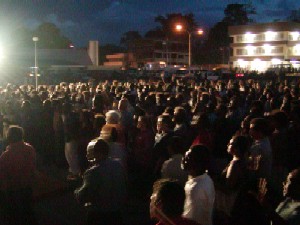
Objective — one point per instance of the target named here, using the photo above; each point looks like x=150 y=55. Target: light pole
x=35 y=40
x=199 y=32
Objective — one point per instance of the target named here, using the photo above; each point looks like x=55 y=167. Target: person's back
x=103 y=191
x=108 y=179
x=199 y=189
x=17 y=170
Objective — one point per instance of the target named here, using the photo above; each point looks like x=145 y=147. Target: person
x=166 y=204
x=261 y=150
x=17 y=172
x=171 y=168
x=71 y=125
x=162 y=138
x=199 y=189
x=142 y=147
x=234 y=176
x=289 y=208
x=104 y=187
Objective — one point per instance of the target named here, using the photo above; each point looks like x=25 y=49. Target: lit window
x=295 y=36
x=270 y=35
x=249 y=37
x=268 y=49
x=250 y=50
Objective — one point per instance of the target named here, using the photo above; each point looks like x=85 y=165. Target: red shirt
x=17 y=166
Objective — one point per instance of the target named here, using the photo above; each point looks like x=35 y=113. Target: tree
x=168 y=23
x=50 y=37
x=129 y=37
x=238 y=14
x=218 y=41
x=294 y=16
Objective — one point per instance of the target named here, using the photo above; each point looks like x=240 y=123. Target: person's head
x=196 y=160
x=279 y=119
x=123 y=104
x=259 y=128
x=112 y=117
x=201 y=121
x=291 y=187
x=98 y=122
x=164 y=123
x=143 y=123
x=167 y=199
x=238 y=146
x=175 y=145
x=179 y=115
x=15 y=134
x=97 y=150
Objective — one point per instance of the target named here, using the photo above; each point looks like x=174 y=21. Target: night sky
x=107 y=20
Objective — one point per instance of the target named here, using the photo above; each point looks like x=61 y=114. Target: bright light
x=179 y=27
x=249 y=37
x=258 y=65
x=200 y=32
x=241 y=63
x=268 y=48
x=270 y=35
x=35 y=39
x=297 y=49
x=276 y=61
x=295 y=35
x=250 y=50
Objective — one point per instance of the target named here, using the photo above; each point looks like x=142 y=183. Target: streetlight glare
x=178 y=27
x=200 y=32
x=35 y=38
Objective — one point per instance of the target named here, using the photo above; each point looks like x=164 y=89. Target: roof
x=262 y=27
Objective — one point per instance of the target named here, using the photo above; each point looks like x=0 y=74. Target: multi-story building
x=261 y=46
x=169 y=51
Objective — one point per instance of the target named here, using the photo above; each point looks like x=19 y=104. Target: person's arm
x=84 y=193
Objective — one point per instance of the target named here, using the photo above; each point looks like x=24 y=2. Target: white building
x=261 y=46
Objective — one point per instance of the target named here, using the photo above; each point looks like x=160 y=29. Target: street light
x=179 y=27
x=35 y=40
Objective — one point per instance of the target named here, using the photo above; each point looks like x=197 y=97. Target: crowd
x=216 y=151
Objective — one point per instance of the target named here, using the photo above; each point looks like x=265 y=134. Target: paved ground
x=57 y=206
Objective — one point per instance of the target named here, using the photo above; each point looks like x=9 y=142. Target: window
x=258 y=51
x=240 y=38
x=173 y=56
x=241 y=51
x=180 y=57
x=277 y=50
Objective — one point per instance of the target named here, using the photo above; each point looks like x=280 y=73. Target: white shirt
x=171 y=168
x=199 y=201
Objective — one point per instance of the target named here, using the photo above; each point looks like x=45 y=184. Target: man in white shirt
x=199 y=189
x=171 y=168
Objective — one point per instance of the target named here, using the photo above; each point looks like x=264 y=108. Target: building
x=262 y=46
x=120 y=61
x=169 y=51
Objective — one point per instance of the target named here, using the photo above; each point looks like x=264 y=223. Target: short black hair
x=171 y=196
x=101 y=146
x=262 y=125
x=15 y=134
x=241 y=144
x=201 y=157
